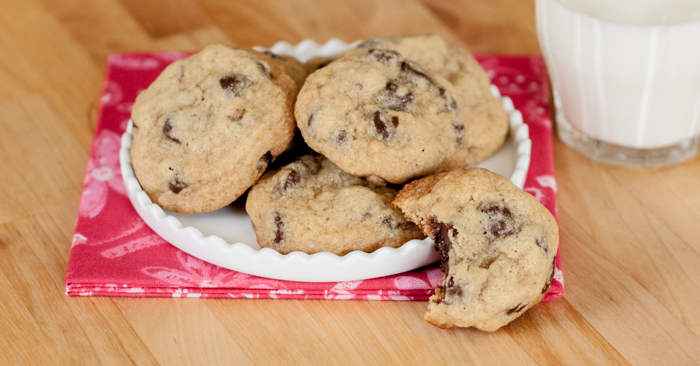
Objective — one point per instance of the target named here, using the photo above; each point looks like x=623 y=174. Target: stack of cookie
x=366 y=121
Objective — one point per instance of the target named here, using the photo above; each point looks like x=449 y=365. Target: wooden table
x=630 y=238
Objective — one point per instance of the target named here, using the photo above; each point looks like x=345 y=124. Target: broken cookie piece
x=498 y=246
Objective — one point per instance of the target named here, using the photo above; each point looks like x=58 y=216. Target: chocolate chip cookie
x=312 y=206
x=380 y=116
x=498 y=246
x=208 y=126
x=483 y=114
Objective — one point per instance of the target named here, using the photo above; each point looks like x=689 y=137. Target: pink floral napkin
x=114 y=253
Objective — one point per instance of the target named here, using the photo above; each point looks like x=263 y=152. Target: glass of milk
x=625 y=77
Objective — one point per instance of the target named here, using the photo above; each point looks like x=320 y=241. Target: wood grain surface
x=629 y=238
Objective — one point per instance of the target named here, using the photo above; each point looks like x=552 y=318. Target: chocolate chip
x=552 y=271
x=167 y=131
x=133 y=124
x=492 y=208
x=235 y=83
x=341 y=138
x=501 y=221
x=311 y=118
x=459 y=132
x=415 y=70
x=264 y=68
x=177 y=184
x=442 y=242
x=279 y=234
x=292 y=179
x=267 y=157
x=401 y=102
x=501 y=228
x=450 y=103
x=380 y=126
x=516 y=309
x=384 y=56
x=395 y=101
x=237 y=115
x=359 y=86
x=265 y=160
x=486 y=262
x=405 y=100
x=390 y=222
x=452 y=290
x=542 y=243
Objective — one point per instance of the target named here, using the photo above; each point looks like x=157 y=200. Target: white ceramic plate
x=226 y=238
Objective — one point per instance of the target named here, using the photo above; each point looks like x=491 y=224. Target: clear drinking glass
x=625 y=77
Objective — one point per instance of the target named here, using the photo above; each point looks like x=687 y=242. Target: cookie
x=379 y=116
x=312 y=206
x=486 y=120
x=208 y=126
x=297 y=70
x=497 y=243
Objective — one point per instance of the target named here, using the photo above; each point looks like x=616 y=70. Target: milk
x=638 y=12
x=625 y=72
